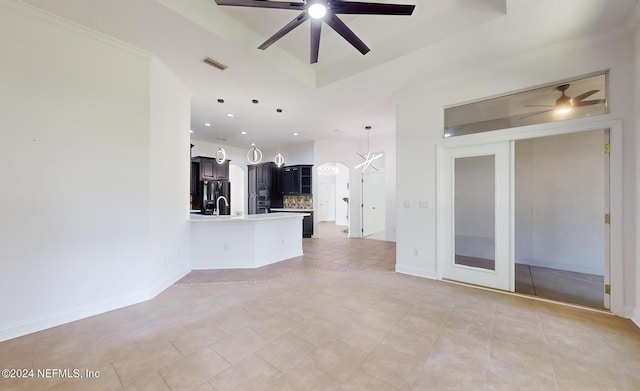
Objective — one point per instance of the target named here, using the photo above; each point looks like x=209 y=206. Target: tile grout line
x=546 y=342
x=493 y=329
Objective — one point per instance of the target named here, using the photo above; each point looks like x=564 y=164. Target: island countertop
x=199 y=218
x=297 y=210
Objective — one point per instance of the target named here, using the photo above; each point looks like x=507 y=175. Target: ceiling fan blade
x=357 y=7
x=283 y=31
x=585 y=95
x=539 y=112
x=338 y=25
x=263 y=4
x=316 y=28
x=590 y=102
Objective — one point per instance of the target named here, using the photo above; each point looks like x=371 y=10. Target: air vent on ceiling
x=214 y=63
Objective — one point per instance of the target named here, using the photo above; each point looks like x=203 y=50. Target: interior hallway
x=336 y=318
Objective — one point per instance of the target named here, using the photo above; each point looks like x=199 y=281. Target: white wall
x=170 y=113
x=293 y=154
x=419 y=129
x=75 y=161
x=560 y=202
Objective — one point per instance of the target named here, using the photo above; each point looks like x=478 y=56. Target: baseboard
x=633 y=314
x=52 y=320
x=19 y=329
x=160 y=287
x=418 y=272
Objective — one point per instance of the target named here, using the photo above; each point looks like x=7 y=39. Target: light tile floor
x=337 y=318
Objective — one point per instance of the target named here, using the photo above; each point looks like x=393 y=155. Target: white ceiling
x=345 y=91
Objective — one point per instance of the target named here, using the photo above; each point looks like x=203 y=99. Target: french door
x=475 y=214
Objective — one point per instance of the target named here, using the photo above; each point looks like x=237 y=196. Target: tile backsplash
x=298 y=202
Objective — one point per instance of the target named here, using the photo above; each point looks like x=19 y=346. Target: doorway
x=561 y=199
x=555 y=242
x=373 y=205
x=332 y=198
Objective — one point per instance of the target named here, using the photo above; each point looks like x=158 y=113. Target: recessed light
x=243 y=132
x=230 y=115
x=254 y=101
x=207 y=124
x=190 y=131
x=253 y=144
x=295 y=133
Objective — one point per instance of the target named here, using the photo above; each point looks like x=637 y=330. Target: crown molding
x=27 y=11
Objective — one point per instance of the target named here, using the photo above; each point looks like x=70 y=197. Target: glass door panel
x=474 y=211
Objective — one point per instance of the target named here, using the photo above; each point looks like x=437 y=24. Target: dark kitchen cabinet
x=307 y=226
x=290 y=181
x=264 y=187
x=209 y=169
x=305 y=180
x=297 y=180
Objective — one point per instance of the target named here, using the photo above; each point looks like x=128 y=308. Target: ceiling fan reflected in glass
x=566 y=104
x=323 y=11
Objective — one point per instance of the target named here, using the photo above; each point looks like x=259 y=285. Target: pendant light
x=254 y=156
x=369 y=157
x=221 y=154
x=279 y=159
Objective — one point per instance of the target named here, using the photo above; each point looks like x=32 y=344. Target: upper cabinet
x=297 y=180
x=209 y=169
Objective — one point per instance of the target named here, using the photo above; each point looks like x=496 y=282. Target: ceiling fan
x=323 y=10
x=564 y=104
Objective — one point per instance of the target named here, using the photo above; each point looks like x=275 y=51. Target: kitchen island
x=247 y=241
x=307 y=222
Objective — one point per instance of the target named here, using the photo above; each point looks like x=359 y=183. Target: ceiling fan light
x=317 y=10
x=562 y=110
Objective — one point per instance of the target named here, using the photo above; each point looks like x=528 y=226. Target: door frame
x=616 y=230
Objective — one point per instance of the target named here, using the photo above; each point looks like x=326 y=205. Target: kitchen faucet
x=218 y=204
